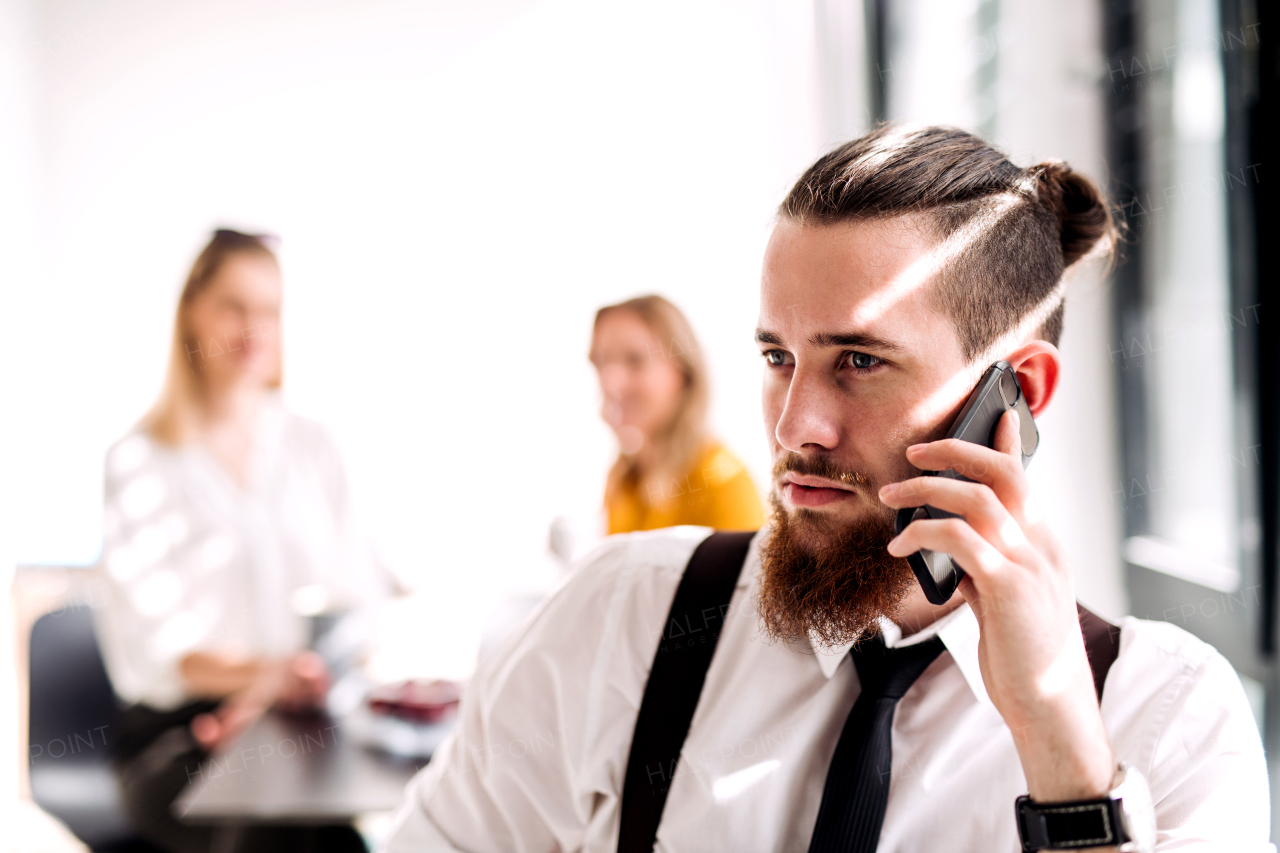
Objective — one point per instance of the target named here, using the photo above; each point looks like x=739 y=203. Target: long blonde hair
x=170 y=419
x=679 y=444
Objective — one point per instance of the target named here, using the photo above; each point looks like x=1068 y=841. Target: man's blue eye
x=775 y=357
x=862 y=361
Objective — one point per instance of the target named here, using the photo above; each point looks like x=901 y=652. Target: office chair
x=73 y=714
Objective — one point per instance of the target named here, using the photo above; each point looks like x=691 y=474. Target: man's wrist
x=1122 y=820
x=1066 y=756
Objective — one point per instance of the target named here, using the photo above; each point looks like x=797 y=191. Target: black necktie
x=857 y=789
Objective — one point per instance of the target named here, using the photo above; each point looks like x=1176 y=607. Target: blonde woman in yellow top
x=669 y=471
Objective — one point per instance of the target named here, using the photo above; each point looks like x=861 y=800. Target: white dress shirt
x=196 y=561
x=538 y=759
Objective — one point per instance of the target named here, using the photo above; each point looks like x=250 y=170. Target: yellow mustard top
x=716 y=492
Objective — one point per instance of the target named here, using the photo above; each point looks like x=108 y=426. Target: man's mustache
x=819 y=466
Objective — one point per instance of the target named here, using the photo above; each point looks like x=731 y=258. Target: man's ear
x=1038 y=365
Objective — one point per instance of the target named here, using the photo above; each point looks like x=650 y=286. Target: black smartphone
x=997 y=392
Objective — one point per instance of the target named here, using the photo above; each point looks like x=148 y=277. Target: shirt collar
x=958 y=631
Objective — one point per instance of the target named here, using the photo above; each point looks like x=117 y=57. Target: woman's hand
x=304 y=682
x=228 y=721
x=297 y=683
x=1020 y=589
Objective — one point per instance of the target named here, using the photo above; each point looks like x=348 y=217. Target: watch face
x=1136 y=810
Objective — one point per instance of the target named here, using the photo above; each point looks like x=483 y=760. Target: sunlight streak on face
x=926 y=269
x=925 y=272
x=934 y=407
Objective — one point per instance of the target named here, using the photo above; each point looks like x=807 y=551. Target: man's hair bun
x=1079 y=206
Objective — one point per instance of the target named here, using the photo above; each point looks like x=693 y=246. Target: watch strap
x=1069 y=826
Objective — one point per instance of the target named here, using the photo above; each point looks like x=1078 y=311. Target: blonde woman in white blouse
x=226 y=517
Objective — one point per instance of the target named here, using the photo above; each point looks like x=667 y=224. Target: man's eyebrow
x=833 y=339
x=763 y=337
x=854 y=339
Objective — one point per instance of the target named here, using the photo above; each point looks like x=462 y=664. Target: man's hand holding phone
x=1020 y=589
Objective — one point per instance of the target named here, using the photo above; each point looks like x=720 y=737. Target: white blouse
x=196 y=561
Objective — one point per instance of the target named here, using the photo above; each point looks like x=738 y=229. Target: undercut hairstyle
x=1006 y=233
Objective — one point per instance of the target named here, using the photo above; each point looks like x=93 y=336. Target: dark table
x=295 y=770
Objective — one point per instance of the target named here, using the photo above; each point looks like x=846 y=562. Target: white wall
x=18 y=275
x=1051 y=106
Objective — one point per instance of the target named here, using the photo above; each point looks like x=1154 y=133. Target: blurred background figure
x=228 y=530
x=669 y=470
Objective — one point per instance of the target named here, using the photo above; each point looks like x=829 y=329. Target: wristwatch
x=1125 y=819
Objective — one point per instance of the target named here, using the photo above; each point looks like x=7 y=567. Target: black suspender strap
x=1101 y=644
x=679 y=669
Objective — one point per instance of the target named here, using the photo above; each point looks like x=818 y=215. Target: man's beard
x=825 y=579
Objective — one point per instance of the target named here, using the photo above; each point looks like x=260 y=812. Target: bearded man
x=797 y=690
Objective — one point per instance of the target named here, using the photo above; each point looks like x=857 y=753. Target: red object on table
x=417 y=701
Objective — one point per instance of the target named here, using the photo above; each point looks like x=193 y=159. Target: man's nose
x=810 y=416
